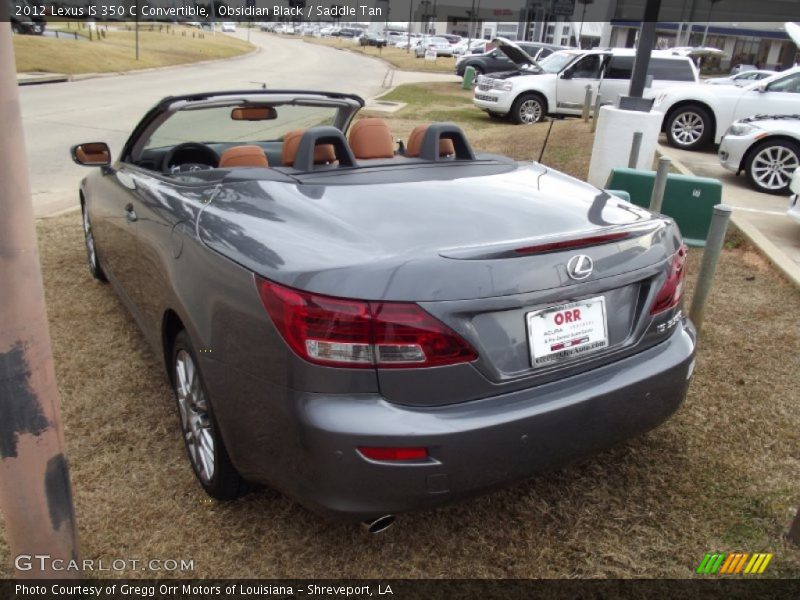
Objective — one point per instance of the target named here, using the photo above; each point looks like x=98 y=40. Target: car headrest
x=414 y=144
x=243 y=156
x=371 y=138
x=323 y=153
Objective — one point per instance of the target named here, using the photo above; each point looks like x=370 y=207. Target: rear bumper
x=474 y=445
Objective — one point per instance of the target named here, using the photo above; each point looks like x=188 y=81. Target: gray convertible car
x=372 y=327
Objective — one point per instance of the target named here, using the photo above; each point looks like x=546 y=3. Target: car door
x=114 y=228
x=572 y=82
x=781 y=96
x=616 y=80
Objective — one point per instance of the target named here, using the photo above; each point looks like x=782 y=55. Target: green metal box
x=688 y=200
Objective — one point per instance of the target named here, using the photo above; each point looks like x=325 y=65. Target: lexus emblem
x=579 y=267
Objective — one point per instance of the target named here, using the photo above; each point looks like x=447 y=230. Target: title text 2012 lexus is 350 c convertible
x=373 y=328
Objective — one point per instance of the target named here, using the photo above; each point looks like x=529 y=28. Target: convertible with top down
x=372 y=326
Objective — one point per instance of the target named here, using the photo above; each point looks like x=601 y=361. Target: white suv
x=557 y=84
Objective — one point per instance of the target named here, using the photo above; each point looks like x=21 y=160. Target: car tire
x=478 y=71
x=770 y=164
x=204 y=445
x=16 y=28
x=91 y=248
x=689 y=127
x=528 y=109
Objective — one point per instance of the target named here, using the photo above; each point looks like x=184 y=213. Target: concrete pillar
x=35 y=494
x=613 y=139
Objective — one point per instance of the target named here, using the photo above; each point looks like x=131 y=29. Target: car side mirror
x=93 y=154
x=761 y=88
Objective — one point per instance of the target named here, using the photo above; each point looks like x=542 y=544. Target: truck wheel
x=689 y=127
x=528 y=109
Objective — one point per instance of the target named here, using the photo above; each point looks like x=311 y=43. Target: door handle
x=130 y=214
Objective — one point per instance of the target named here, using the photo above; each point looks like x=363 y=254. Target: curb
x=85 y=76
x=788 y=268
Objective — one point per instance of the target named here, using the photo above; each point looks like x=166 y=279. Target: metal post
x=636 y=146
x=596 y=112
x=660 y=184
x=793 y=534
x=137 y=29
x=716 y=237
x=587 y=103
x=35 y=494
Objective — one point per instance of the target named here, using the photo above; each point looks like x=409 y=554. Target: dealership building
x=615 y=23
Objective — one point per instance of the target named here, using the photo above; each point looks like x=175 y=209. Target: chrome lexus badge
x=580 y=267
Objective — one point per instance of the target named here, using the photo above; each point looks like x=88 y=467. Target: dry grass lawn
x=721 y=475
x=116 y=52
x=405 y=61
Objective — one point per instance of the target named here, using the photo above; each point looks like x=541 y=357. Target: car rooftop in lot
x=373 y=332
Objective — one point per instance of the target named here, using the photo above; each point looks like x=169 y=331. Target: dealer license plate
x=566 y=331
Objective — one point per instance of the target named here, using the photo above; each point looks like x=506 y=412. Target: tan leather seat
x=414 y=145
x=371 y=138
x=243 y=156
x=323 y=153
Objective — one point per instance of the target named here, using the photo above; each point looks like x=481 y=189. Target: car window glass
x=556 y=62
x=211 y=125
x=790 y=84
x=587 y=68
x=670 y=69
x=620 y=67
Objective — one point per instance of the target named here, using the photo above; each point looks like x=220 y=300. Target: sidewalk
x=759 y=217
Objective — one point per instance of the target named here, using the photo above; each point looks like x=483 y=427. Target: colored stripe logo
x=735 y=563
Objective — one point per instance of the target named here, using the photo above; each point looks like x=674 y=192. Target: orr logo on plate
x=560 y=332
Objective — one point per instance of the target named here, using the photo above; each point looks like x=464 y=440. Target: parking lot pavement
x=762 y=217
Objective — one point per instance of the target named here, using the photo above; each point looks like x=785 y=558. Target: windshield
x=556 y=62
x=212 y=125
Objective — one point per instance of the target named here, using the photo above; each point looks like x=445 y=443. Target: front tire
x=91 y=248
x=770 y=165
x=689 y=127
x=528 y=109
x=207 y=454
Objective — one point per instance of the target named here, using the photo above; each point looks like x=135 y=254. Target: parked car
x=453 y=39
x=394 y=37
x=438 y=44
x=766 y=148
x=25 y=18
x=369 y=337
x=414 y=39
x=743 y=69
x=741 y=79
x=695 y=116
x=466 y=47
x=372 y=39
x=350 y=32
x=794 y=204
x=557 y=84
x=496 y=61
x=229 y=27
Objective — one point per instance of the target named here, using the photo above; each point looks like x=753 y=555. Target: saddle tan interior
x=414 y=145
x=323 y=153
x=243 y=156
x=371 y=138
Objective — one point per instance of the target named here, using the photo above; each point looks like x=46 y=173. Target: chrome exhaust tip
x=378 y=525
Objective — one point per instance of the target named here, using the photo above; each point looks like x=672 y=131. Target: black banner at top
x=399 y=11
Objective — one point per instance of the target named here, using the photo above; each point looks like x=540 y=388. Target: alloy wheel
x=530 y=111
x=772 y=167
x=195 y=418
x=687 y=128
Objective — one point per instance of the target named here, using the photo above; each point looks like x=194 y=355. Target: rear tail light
x=584 y=242
x=359 y=334
x=670 y=294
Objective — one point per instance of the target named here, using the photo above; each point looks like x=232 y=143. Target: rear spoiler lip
x=526 y=247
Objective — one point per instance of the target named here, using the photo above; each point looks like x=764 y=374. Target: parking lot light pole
x=35 y=493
